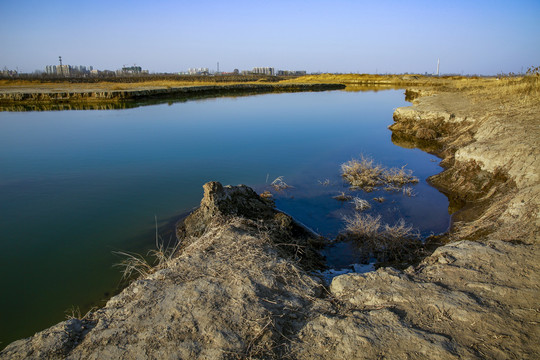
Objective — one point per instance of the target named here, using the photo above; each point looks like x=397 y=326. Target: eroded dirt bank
x=34 y=95
x=242 y=285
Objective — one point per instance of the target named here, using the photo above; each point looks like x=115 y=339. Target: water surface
x=76 y=185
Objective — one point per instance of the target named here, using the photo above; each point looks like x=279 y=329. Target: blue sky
x=470 y=37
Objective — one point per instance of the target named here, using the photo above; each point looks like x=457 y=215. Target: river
x=77 y=185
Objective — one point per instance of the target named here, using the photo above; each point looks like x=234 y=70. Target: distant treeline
x=148 y=77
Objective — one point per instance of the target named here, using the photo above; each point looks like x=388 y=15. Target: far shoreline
x=97 y=93
x=29 y=95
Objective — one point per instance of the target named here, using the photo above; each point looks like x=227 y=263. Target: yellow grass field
x=524 y=89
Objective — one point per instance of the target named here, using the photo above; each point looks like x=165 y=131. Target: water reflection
x=370 y=87
x=151 y=100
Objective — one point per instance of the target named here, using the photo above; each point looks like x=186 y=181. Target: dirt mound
x=235 y=290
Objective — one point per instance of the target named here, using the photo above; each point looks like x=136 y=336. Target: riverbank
x=12 y=95
x=242 y=285
x=89 y=93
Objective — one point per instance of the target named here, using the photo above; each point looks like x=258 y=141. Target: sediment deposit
x=243 y=284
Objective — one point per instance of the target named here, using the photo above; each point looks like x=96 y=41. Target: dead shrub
x=408 y=191
x=366 y=175
x=362 y=226
x=386 y=243
x=361 y=204
x=135 y=265
x=326 y=182
x=362 y=174
x=399 y=176
x=343 y=197
x=279 y=184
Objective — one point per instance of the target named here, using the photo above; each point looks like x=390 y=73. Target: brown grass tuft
x=361 y=204
x=343 y=197
x=408 y=191
x=385 y=242
x=366 y=175
x=398 y=177
x=362 y=174
x=525 y=90
x=136 y=266
x=279 y=184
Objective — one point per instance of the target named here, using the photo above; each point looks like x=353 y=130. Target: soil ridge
x=10 y=96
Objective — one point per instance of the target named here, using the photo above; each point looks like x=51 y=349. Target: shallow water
x=76 y=185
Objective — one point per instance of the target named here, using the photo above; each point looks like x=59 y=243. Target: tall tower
x=437 y=66
x=218 y=67
x=61 y=69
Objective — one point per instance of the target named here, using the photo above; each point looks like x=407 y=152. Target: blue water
x=76 y=185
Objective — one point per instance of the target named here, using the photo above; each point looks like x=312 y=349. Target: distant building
x=50 y=69
x=198 y=71
x=8 y=73
x=263 y=70
x=63 y=70
x=130 y=70
x=291 y=73
x=80 y=69
x=67 y=70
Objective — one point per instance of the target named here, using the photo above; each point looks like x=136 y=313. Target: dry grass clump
x=75 y=313
x=362 y=174
x=408 y=191
x=385 y=242
x=135 y=265
x=399 y=177
x=326 y=182
x=266 y=195
x=524 y=90
x=361 y=204
x=366 y=175
x=279 y=184
x=363 y=226
x=343 y=197
x=392 y=188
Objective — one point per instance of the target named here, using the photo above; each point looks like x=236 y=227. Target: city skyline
x=78 y=70
x=318 y=36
